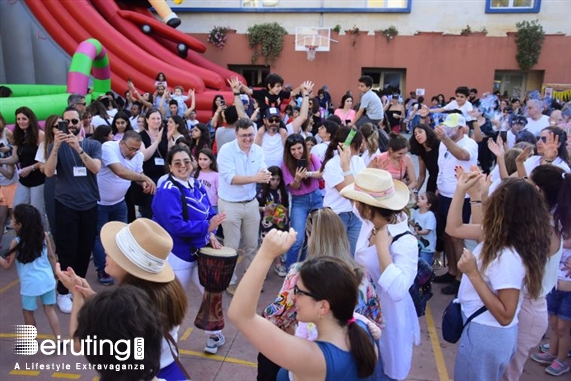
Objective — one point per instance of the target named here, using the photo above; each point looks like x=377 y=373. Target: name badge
x=159 y=161
x=79 y=171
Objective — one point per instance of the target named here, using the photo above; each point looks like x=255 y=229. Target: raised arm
x=192 y=103
x=306 y=88
x=455 y=227
x=236 y=85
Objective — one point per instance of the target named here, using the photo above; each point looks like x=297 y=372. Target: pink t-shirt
x=397 y=171
x=210 y=182
x=303 y=188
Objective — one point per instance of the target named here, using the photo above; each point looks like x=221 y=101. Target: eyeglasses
x=246 y=136
x=178 y=164
x=131 y=149
x=543 y=139
x=72 y=121
x=298 y=291
x=81 y=103
x=274 y=120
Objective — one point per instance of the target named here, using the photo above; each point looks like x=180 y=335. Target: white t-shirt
x=535 y=126
x=500 y=117
x=535 y=161
x=446 y=182
x=319 y=150
x=466 y=109
x=510 y=137
x=134 y=121
x=112 y=188
x=425 y=221
x=367 y=156
x=506 y=271
x=333 y=175
x=273 y=148
x=99 y=121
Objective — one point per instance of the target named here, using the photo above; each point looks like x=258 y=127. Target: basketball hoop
x=311 y=50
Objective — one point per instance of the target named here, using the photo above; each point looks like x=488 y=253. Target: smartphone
x=302 y=163
x=350 y=138
x=222 y=102
x=62 y=126
x=504 y=136
x=347 y=122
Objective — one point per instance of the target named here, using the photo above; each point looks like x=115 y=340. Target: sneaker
x=280 y=270
x=545 y=348
x=543 y=358
x=212 y=344
x=557 y=368
x=444 y=278
x=452 y=288
x=104 y=278
x=64 y=303
x=231 y=289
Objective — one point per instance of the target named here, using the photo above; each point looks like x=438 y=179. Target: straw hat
x=376 y=187
x=141 y=248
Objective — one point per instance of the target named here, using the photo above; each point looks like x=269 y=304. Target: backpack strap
x=398 y=236
x=182 y=197
x=475 y=315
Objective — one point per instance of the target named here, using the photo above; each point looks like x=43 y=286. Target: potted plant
x=217 y=36
x=529 y=40
x=389 y=33
x=336 y=29
x=266 y=40
x=466 y=31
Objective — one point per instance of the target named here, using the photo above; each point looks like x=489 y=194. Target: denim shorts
x=559 y=304
x=29 y=302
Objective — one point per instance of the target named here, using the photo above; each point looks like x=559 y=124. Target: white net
x=311 y=49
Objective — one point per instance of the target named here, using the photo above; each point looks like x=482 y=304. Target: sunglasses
x=81 y=103
x=72 y=121
x=293 y=139
x=274 y=120
x=298 y=291
x=543 y=139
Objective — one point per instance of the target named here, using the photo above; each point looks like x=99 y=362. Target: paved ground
x=236 y=361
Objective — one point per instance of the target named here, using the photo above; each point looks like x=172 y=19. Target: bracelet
x=81 y=152
x=236 y=93
x=475 y=202
x=347 y=173
x=306 y=95
x=309 y=174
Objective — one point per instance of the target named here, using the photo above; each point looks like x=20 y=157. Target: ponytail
x=362 y=349
x=562 y=213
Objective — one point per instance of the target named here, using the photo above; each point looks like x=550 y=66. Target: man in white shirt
x=456 y=149
x=371 y=108
x=271 y=138
x=242 y=166
x=122 y=162
x=536 y=121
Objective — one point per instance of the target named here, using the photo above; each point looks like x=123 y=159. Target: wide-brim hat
x=141 y=248
x=376 y=187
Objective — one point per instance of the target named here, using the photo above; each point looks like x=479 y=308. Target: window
x=513 y=6
x=386 y=78
x=255 y=75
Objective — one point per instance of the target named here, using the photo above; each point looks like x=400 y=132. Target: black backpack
x=421 y=289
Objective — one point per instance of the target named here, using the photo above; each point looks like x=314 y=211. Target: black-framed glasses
x=81 y=103
x=274 y=120
x=298 y=291
x=71 y=121
x=131 y=149
x=543 y=139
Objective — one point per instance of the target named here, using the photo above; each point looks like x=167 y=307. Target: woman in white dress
x=389 y=253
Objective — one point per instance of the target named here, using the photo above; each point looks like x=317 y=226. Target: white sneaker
x=64 y=303
x=213 y=344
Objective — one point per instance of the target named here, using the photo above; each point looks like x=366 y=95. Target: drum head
x=223 y=252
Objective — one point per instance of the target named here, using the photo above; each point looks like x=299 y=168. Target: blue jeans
x=428 y=256
x=106 y=213
x=300 y=208
x=353 y=225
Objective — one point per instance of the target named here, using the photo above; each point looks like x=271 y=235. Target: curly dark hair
x=514 y=201
x=431 y=139
x=31 y=234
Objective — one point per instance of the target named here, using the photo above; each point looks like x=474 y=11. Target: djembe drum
x=215 y=269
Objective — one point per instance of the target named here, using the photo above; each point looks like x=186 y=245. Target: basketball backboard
x=317 y=37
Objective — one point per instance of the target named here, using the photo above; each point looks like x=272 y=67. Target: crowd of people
x=328 y=198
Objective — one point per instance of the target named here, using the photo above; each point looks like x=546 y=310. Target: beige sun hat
x=141 y=248
x=376 y=187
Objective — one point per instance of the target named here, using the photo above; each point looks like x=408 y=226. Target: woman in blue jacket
x=191 y=224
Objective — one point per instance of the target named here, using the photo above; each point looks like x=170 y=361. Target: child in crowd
x=272 y=95
x=180 y=98
x=207 y=174
x=161 y=79
x=35 y=263
x=310 y=142
x=425 y=225
x=274 y=202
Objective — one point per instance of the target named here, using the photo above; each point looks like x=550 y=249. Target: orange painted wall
x=438 y=63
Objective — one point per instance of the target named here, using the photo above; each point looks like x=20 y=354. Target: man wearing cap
x=122 y=163
x=272 y=135
x=77 y=161
x=536 y=121
x=456 y=149
x=242 y=166
x=517 y=123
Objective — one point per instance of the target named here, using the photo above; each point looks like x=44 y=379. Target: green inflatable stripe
x=79 y=62
x=26 y=90
x=42 y=105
